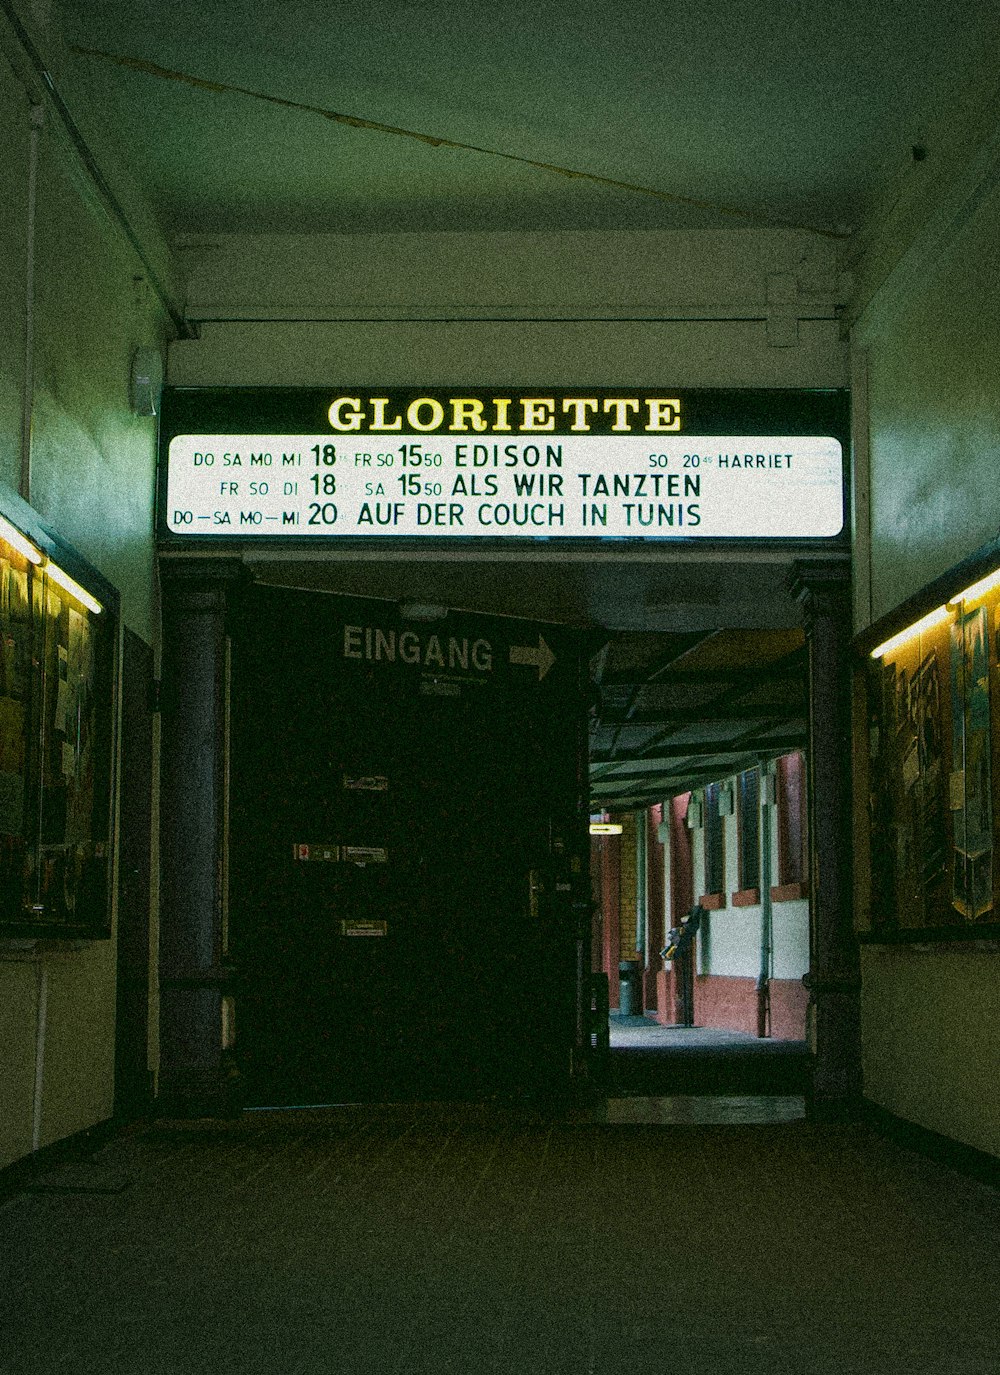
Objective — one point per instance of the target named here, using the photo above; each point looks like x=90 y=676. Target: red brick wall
x=723 y=1000
x=788 y=1009
x=665 y=997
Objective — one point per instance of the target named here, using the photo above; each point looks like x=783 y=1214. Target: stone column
x=823 y=590
x=193 y=968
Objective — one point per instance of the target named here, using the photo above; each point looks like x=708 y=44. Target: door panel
x=437 y=770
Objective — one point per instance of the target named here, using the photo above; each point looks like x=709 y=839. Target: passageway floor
x=650 y=1060
x=645 y=1033
x=477 y=1240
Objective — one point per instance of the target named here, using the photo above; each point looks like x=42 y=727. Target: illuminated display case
x=933 y=766
x=58 y=637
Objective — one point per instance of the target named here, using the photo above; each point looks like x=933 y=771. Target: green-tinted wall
x=930 y=1035
x=91 y=479
x=927 y=353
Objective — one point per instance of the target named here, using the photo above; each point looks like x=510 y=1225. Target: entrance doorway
x=407 y=849
x=697 y=766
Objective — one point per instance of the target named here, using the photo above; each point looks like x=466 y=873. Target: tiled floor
x=704 y=1110
x=470 y=1240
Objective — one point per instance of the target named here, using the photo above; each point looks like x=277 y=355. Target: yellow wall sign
x=507 y=415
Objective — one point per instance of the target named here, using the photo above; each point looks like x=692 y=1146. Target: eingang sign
x=502 y=463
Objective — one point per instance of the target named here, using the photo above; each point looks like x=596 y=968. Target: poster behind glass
x=56 y=694
x=933 y=746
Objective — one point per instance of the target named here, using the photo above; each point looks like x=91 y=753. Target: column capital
x=822 y=587
x=198 y=584
x=206 y=568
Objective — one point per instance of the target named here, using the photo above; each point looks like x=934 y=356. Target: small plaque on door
x=363 y=928
x=364 y=854
x=325 y=851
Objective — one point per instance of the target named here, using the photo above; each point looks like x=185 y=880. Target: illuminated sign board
x=503 y=464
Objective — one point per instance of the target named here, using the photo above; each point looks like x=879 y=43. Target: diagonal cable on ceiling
x=137 y=64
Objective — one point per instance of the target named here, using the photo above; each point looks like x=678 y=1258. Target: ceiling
x=314 y=116
x=670 y=710
x=715 y=112
x=674 y=712
x=661 y=589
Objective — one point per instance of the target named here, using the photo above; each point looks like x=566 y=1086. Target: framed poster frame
x=59 y=654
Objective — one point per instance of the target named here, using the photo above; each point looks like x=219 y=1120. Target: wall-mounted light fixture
x=977 y=589
x=693 y=817
x=940 y=613
x=71 y=586
x=19 y=541
x=422 y=611
x=935 y=617
x=145 y=382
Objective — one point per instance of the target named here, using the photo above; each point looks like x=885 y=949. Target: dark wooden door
x=408 y=834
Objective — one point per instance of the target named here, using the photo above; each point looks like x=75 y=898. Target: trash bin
x=630 y=988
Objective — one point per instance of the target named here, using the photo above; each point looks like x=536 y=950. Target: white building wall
x=733 y=945
x=790 y=937
x=789 y=924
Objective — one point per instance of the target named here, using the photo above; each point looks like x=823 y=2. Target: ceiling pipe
x=183 y=326
x=28 y=381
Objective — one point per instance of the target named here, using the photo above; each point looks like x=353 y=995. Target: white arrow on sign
x=541 y=658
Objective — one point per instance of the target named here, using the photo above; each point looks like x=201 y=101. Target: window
x=748 y=838
x=715 y=850
x=793 y=849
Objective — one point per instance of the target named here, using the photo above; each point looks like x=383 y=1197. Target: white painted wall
x=92 y=466
x=706 y=274
x=932 y=428
x=92 y=460
x=931 y=1038
x=13 y=230
x=733 y=944
x=790 y=937
x=568 y=309
x=934 y=424
x=789 y=923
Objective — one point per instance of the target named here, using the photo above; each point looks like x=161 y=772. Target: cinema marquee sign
x=502 y=463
